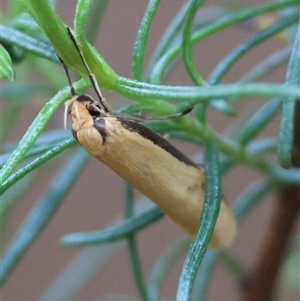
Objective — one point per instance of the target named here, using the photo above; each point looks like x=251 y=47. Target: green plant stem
x=201 y=286
x=250 y=197
x=171 y=37
x=221 y=24
x=286 y=129
x=264 y=67
x=187 y=54
x=130 y=225
x=244 y=203
x=94 y=20
x=261 y=146
x=163 y=265
x=207 y=223
x=81 y=17
x=192 y=95
x=141 y=40
x=56 y=32
x=166 y=40
x=37 y=149
x=6 y=71
x=132 y=246
x=225 y=65
x=258 y=121
x=239 y=154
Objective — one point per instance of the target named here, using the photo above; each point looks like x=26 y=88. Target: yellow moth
x=146 y=160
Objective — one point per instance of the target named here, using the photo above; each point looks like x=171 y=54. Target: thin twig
x=260 y=284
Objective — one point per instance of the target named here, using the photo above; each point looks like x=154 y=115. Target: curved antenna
x=73 y=92
x=92 y=78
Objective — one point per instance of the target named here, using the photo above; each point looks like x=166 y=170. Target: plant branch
x=260 y=284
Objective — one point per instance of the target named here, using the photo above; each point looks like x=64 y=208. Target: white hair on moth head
x=66 y=115
x=76 y=110
x=71 y=101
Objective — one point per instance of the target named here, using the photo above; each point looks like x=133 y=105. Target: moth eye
x=94 y=109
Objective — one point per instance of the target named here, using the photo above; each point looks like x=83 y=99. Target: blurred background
x=96 y=199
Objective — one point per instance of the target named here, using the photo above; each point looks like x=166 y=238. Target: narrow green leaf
x=43 y=144
x=173 y=35
x=35 y=129
x=244 y=203
x=207 y=223
x=251 y=196
x=286 y=129
x=26 y=24
x=81 y=269
x=20 y=39
x=285 y=141
x=23 y=91
x=225 y=65
x=81 y=17
x=204 y=275
x=262 y=146
x=133 y=246
x=220 y=24
x=40 y=214
x=56 y=32
x=163 y=265
x=130 y=225
x=258 y=121
x=22 y=172
x=267 y=65
x=6 y=67
x=141 y=40
x=94 y=20
x=143 y=92
x=36 y=150
x=165 y=42
x=187 y=43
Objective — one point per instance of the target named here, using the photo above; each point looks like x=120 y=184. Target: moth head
x=82 y=108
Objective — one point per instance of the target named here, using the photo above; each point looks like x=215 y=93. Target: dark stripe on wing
x=156 y=139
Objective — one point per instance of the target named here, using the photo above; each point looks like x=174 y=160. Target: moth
x=146 y=160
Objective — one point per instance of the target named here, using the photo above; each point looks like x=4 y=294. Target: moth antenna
x=92 y=78
x=73 y=93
